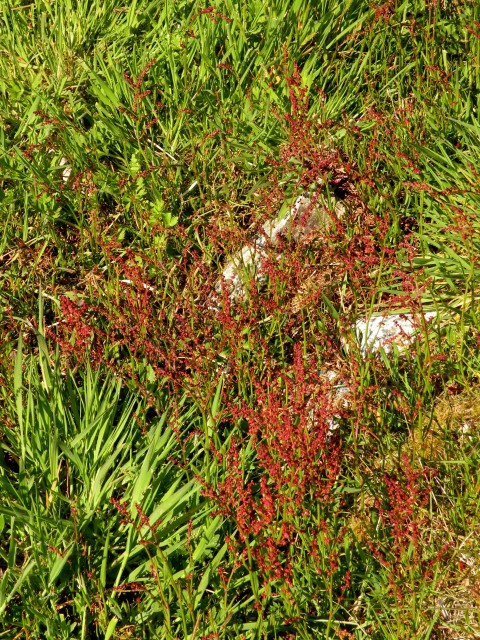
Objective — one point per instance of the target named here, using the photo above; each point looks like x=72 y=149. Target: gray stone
x=385 y=331
x=306 y=215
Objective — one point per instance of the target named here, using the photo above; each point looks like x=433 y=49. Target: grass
x=174 y=468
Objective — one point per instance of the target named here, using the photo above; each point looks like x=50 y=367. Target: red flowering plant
x=275 y=465
x=403 y=561
x=282 y=487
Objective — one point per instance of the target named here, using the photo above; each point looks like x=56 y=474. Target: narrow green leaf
x=111 y=628
x=18 y=392
x=103 y=569
x=58 y=565
x=20 y=580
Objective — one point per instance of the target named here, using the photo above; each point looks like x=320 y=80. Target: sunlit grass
x=176 y=466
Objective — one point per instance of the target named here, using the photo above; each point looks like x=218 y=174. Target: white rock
x=384 y=331
x=303 y=217
x=67 y=171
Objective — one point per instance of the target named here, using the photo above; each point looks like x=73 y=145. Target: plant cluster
x=185 y=457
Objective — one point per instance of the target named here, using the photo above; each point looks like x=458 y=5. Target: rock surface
x=385 y=331
x=307 y=214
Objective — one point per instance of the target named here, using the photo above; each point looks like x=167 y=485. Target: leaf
x=20 y=580
x=103 y=569
x=58 y=565
x=17 y=390
x=111 y=628
x=101 y=89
